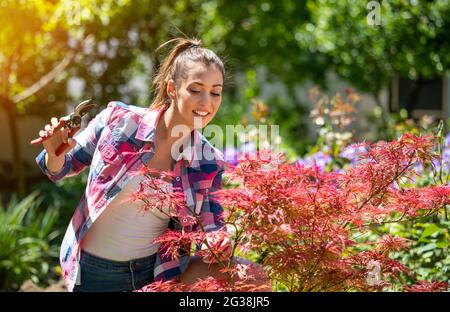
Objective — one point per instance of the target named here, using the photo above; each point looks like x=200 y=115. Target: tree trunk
x=18 y=166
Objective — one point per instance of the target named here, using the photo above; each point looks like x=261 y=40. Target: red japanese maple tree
x=308 y=227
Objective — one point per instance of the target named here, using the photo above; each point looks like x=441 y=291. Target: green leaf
x=442 y=244
x=426 y=248
x=429 y=230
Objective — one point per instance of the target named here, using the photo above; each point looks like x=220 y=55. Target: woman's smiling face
x=199 y=94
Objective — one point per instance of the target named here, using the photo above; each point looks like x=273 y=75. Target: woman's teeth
x=200 y=113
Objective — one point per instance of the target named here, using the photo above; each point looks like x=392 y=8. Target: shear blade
x=84 y=107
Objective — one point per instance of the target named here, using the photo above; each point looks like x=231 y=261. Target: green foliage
x=64 y=195
x=254 y=33
x=429 y=256
x=292 y=117
x=27 y=242
x=395 y=124
x=411 y=41
x=295 y=41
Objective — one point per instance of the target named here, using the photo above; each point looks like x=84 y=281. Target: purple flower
x=231 y=155
x=445 y=156
x=445 y=161
x=319 y=159
x=418 y=168
x=247 y=148
x=353 y=152
x=322 y=159
x=447 y=140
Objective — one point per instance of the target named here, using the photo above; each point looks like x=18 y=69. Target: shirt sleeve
x=211 y=214
x=80 y=156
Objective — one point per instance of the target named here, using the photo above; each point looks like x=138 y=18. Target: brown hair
x=173 y=66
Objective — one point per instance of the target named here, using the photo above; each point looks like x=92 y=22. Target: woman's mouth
x=200 y=113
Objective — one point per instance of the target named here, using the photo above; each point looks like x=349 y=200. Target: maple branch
x=45 y=80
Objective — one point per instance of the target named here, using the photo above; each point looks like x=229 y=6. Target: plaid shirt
x=116 y=144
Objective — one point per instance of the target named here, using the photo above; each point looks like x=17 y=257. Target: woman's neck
x=169 y=119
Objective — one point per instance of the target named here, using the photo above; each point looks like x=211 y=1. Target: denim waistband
x=118 y=266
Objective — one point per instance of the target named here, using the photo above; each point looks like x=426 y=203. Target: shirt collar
x=147 y=131
x=147 y=126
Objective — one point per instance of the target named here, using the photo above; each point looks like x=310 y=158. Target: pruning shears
x=71 y=122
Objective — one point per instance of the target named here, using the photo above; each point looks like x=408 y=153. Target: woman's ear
x=171 y=88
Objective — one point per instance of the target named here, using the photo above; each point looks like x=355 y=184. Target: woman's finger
x=54 y=122
x=65 y=135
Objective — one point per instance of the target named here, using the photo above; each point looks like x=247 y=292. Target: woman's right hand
x=56 y=135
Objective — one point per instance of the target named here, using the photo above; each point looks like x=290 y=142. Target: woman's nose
x=204 y=100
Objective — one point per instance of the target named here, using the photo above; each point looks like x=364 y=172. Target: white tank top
x=123 y=231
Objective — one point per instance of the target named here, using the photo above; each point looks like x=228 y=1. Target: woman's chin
x=199 y=124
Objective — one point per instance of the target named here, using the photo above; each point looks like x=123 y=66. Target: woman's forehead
x=209 y=74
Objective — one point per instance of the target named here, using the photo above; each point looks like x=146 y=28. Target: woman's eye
x=194 y=91
x=216 y=94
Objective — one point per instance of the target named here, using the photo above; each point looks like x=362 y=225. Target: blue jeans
x=99 y=274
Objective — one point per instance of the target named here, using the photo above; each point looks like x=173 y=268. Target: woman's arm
x=211 y=215
x=55 y=163
x=80 y=156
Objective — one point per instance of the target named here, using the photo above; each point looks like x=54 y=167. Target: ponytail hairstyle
x=174 y=66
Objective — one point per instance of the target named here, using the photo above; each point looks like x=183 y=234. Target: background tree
x=412 y=40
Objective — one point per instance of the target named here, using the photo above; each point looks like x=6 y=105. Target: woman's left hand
x=221 y=245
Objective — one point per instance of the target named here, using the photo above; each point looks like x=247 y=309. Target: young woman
x=108 y=244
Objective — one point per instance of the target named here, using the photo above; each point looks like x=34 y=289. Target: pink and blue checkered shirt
x=118 y=142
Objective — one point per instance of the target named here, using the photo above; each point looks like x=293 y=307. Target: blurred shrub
x=428 y=255
x=332 y=118
x=64 y=195
x=390 y=126
x=28 y=247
